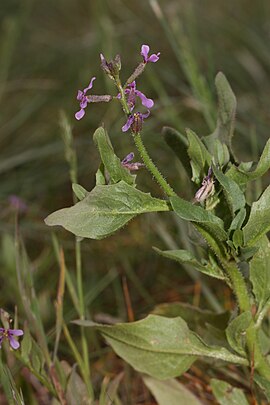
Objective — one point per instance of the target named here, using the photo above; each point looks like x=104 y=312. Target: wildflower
x=83 y=99
x=152 y=58
x=135 y=122
x=207 y=187
x=131 y=166
x=17 y=203
x=9 y=334
x=132 y=92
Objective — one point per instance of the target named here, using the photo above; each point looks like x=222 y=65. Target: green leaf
x=100 y=175
x=226 y=394
x=194 y=316
x=264 y=384
x=170 y=392
x=238 y=220
x=226 y=109
x=234 y=196
x=179 y=144
x=183 y=256
x=242 y=176
x=259 y=220
x=158 y=346
x=236 y=332
x=111 y=162
x=79 y=191
x=199 y=155
x=105 y=210
x=210 y=226
x=259 y=270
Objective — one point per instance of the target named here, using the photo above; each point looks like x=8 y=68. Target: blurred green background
x=49 y=50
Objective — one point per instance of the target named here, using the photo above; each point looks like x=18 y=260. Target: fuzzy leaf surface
x=259 y=269
x=158 y=346
x=186 y=257
x=199 y=155
x=259 y=220
x=242 y=177
x=235 y=332
x=234 y=196
x=105 y=210
x=226 y=394
x=170 y=392
x=111 y=162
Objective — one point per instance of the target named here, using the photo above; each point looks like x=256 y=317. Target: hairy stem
x=152 y=167
x=256 y=358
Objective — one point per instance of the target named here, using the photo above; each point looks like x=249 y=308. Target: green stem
x=152 y=167
x=256 y=357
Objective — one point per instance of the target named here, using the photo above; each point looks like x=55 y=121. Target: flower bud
x=111 y=68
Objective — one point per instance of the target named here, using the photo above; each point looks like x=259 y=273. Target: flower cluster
x=129 y=91
x=9 y=334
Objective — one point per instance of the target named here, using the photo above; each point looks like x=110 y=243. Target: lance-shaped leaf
x=105 y=210
x=79 y=191
x=242 y=175
x=226 y=394
x=226 y=109
x=259 y=220
x=233 y=194
x=179 y=144
x=158 y=346
x=235 y=332
x=186 y=257
x=111 y=162
x=210 y=226
x=170 y=392
x=199 y=156
x=259 y=270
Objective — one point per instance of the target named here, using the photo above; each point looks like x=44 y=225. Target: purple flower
x=17 y=203
x=152 y=58
x=132 y=92
x=83 y=99
x=131 y=166
x=9 y=334
x=135 y=122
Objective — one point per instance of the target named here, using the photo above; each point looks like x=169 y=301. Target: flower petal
x=79 y=114
x=15 y=332
x=90 y=85
x=84 y=102
x=13 y=343
x=154 y=57
x=128 y=123
x=147 y=102
x=128 y=158
x=144 y=52
x=145 y=115
x=79 y=95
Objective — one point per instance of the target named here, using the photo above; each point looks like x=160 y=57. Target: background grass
x=49 y=50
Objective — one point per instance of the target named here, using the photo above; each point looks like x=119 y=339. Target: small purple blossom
x=152 y=58
x=132 y=92
x=82 y=97
x=9 y=334
x=17 y=203
x=131 y=166
x=135 y=122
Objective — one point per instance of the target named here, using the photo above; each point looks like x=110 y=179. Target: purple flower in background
x=9 y=334
x=131 y=166
x=132 y=92
x=17 y=203
x=135 y=122
x=83 y=99
x=152 y=58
